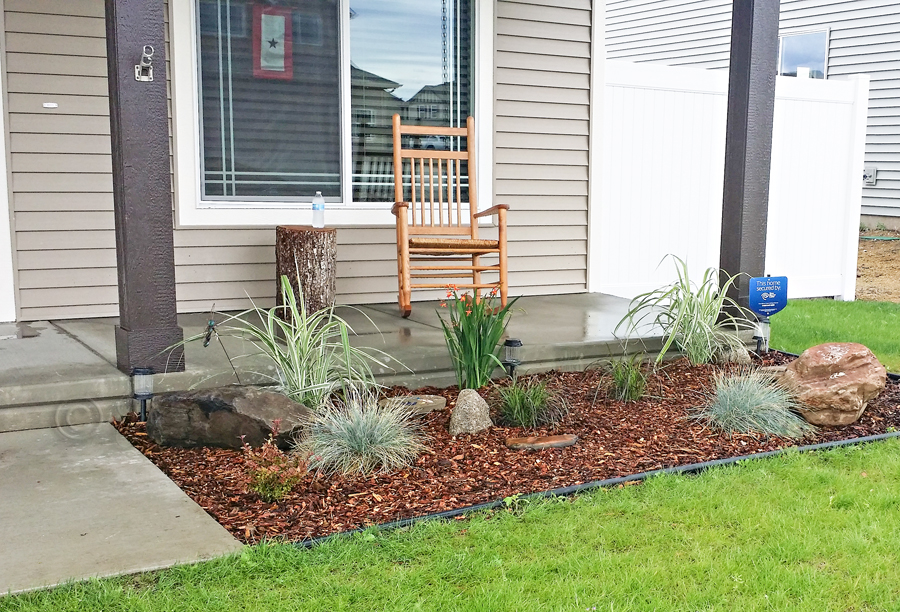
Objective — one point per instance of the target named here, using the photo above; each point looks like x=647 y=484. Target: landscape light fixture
x=512 y=355
x=142 y=381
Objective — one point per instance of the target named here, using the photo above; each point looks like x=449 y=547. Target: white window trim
x=191 y=211
x=796 y=32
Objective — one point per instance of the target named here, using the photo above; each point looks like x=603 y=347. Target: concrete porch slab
x=64 y=374
x=49 y=365
x=78 y=502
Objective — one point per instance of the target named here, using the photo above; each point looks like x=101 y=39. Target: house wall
x=865 y=39
x=542 y=108
x=62 y=183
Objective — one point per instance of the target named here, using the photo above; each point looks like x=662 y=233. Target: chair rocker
x=437 y=230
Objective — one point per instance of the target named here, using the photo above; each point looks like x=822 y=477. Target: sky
x=399 y=40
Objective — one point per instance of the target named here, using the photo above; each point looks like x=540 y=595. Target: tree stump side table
x=306 y=255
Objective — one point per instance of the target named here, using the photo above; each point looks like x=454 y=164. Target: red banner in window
x=273 y=56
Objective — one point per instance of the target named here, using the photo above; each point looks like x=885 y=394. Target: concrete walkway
x=77 y=502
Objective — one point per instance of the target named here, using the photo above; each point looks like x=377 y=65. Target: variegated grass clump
x=753 y=402
x=693 y=317
x=356 y=435
x=311 y=351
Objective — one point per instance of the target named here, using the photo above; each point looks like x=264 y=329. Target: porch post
x=142 y=190
x=748 y=140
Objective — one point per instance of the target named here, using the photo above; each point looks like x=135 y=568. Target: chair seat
x=453 y=243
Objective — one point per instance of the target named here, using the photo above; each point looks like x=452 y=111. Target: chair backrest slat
x=431 y=209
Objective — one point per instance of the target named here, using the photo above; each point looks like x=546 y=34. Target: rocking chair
x=437 y=229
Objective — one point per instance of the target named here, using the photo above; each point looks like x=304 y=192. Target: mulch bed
x=615 y=439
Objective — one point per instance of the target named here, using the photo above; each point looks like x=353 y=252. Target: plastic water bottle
x=318 y=209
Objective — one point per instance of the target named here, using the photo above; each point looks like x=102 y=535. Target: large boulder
x=220 y=416
x=835 y=382
x=470 y=414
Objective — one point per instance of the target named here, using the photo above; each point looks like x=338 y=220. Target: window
x=412 y=62
x=270 y=80
x=270 y=109
x=804 y=55
x=273 y=100
x=309 y=29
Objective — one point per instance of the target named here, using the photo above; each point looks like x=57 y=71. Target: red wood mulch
x=615 y=439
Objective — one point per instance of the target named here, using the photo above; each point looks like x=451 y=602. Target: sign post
x=768 y=296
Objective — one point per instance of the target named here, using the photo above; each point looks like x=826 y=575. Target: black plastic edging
x=693 y=468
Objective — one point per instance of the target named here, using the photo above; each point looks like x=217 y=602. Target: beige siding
x=62 y=185
x=542 y=104
x=60 y=164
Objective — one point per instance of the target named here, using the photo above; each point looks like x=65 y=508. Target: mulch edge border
x=691 y=468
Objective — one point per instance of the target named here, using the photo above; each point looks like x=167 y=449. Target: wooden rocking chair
x=437 y=238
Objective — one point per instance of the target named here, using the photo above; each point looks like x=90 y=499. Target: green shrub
x=311 y=351
x=531 y=404
x=628 y=379
x=472 y=335
x=691 y=316
x=753 y=401
x=356 y=435
x=271 y=473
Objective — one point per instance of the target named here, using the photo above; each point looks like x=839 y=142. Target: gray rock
x=417 y=404
x=739 y=355
x=220 y=416
x=470 y=415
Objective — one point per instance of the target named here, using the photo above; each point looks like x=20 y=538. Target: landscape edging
x=692 y=468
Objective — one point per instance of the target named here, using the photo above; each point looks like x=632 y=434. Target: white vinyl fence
x=663 y=167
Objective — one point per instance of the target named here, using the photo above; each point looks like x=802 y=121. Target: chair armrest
x=395 y=209
x=492 y=210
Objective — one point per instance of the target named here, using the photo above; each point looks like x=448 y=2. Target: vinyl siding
x=542 y=107
x=864 y=39
x=61 y=178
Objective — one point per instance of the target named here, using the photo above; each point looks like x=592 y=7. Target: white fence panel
x=663 y=167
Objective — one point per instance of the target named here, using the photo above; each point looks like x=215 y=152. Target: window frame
x=192 y=211
x=799 y=32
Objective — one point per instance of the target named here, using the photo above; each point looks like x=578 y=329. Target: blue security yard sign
x=768 y=294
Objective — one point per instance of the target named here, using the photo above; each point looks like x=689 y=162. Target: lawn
x=811 y=532
x=805 y=323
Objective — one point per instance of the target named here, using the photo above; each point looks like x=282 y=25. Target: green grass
x=806 y=323
x=807 y=532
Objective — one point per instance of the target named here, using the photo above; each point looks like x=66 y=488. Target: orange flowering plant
x=473 y=334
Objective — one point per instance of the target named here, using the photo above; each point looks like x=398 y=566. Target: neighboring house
x=819 y=38
x=527 y=66
x=373 y=105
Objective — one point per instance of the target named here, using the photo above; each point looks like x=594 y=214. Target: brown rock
x=541 y=442
x=835 y=381
x=220 y=416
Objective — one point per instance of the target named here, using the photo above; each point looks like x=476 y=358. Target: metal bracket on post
x=144 y=71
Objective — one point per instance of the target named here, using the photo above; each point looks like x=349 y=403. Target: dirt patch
x=878 y=267
x=615 y=439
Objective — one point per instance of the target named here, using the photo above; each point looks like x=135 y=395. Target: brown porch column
x=748 y=139
x=142 y=190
